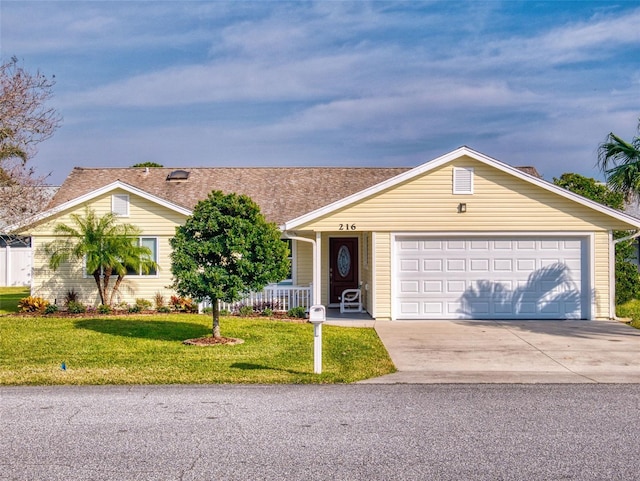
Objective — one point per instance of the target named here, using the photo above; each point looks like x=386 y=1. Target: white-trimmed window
x=120 y=205
x=289 y=279
x=152 y=244
x=463 y=180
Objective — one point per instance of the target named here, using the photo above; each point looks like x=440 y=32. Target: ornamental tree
x=26 y=119
x=107 y=247
x=226 y=248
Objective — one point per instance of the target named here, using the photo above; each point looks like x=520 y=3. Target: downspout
x=315 y=292
x=612 y=271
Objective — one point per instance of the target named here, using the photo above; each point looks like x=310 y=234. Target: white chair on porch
x=351 y=301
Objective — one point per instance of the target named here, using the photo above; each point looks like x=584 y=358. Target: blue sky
x=202 y=83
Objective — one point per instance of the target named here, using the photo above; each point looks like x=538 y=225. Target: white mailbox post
x=317 y=315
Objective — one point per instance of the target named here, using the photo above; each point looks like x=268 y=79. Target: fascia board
x=96 y=193
x=444 y=159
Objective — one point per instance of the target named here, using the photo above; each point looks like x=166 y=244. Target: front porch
x=282 y=298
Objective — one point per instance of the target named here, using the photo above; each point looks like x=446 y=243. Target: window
x=289 y=279
x=152 y=244
x=120 y=204
x=463 y=180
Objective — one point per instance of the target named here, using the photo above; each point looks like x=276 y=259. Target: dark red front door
x=343 y=269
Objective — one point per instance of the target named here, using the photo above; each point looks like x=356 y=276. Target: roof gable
x=446 y=159
x=97 y=193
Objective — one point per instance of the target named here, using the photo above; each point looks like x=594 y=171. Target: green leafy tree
x=627 y=276
x=620 y=162
x=147 y=164
x=107 y=247
x=225 y=249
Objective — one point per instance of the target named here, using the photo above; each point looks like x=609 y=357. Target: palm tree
x=107 y=247
x=620 y=162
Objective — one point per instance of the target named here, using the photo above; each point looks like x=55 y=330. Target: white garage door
x=491 y=278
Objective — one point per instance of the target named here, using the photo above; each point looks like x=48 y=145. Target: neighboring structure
x=15 y=250
x=462 y=236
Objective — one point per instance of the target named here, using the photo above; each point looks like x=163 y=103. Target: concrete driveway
x=511 y=352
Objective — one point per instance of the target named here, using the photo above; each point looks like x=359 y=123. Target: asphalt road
x=351 y=432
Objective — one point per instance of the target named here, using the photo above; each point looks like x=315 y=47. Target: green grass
x=149 y=350
x=631 y=310
x=9 y=297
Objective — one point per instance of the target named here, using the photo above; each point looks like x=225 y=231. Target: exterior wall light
x=462 y=208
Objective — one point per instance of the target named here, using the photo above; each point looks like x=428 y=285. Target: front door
x=343 y=269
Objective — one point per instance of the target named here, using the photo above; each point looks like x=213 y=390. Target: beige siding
x=366 y=272
x=602 y=276
x=153 y=220
x=304 y=263
x=501 y=202
x=382 y=266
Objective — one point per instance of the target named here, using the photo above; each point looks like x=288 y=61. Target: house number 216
x=346 y=227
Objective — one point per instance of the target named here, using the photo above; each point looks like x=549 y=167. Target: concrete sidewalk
x=510 y=352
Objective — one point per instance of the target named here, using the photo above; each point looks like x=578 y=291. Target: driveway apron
x=511 y=352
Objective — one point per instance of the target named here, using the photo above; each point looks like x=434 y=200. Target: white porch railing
x=275 y=297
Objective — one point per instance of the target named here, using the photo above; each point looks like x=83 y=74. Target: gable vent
x=178 y=175
x=462 y=180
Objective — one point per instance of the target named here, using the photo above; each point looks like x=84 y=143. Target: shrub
x=267 y=312
x=104 y=309
x=627 y=282
x=143 y=304
x=261 y=306
x=183 y=304
x=159 y=299
x=299 y=312
x=71 y=296
x=74 y=307
x=164 y=309
x=51 y=309
x=134 y=309
x=32 y=304
x=223 y=312
x=121 y=306
x=245 y=311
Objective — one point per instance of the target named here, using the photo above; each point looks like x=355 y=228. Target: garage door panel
x=410 y=265
x=526 y=278
x=456 y=265
x=479 y=265
x=433 y=265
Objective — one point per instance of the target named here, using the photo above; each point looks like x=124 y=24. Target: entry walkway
x=510 y=351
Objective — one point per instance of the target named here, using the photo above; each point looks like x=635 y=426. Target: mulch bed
x=213 y=341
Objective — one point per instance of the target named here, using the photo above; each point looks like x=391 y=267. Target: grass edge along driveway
x=148 y=349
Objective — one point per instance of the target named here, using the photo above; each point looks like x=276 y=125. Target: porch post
x=317 y=269
x=316 y=292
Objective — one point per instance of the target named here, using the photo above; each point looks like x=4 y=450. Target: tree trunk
x=96 y=277
x=105 y=282
x=115 y=288
x=216 y=318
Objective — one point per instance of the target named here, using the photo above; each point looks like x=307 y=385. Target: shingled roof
x=282 y=193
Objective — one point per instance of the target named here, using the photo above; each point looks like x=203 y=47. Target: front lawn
x=148 y=350
x=9 y=297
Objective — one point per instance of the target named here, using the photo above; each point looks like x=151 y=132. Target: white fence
x=15 y=266
x=276 y=298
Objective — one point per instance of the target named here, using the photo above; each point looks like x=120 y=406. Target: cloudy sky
x=269 y=83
